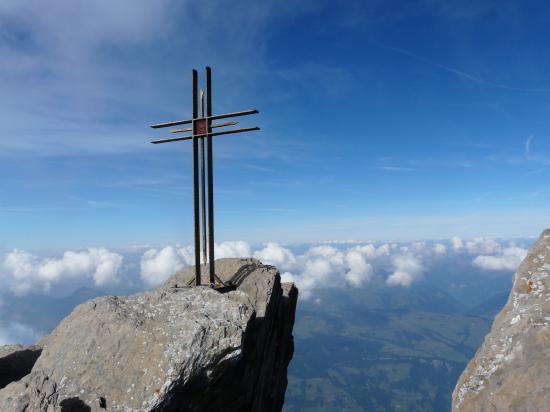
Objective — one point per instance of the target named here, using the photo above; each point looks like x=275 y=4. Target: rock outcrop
x=176 y=348
x=510 y=371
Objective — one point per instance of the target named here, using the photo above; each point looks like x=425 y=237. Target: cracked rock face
x=171 y=349
x=510 y=371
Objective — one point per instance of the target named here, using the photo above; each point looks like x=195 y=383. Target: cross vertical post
x=203 y=191
x=210 y=174
x=196 y=213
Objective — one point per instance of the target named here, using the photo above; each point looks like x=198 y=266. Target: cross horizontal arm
x=176 y=139
x=190 y=129
x=170 y=124
x=216 y=117
x=234 y=114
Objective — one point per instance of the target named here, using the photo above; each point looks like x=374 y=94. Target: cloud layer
x=508 y=259
x=25 y=272
x=315 y=267
x=157 y=265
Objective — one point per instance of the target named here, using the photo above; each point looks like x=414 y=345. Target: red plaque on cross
x=200 y=126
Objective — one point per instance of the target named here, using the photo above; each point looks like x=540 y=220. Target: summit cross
x=201 y=129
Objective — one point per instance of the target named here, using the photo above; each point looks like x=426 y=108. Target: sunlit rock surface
x=511 y=370
x=171 y=349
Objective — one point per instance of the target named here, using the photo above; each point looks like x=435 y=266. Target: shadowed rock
x=16 y=361
x=171 y=349
x=510 y=370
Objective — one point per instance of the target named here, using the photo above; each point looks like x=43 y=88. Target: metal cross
x=201 y=129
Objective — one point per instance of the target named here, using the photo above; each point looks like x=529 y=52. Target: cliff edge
x=509 y=372
x=176 y=348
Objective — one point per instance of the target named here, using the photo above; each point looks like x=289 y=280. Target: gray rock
x=510 y=370
x=171 y=349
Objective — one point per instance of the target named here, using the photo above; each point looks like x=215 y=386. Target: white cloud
x=73 y=65
x=325 y=266
x=480 y=245
x=360 y=271
x=509 y=259
x=28 y=272
x=107 y=266
x=70 y=26
x=440 y=248
x=276 y=255
x=477 y=245
x=372 y=251
x=457 y=243
x=159 y=265
x=15 y=332
x=407 y=268
x=418 y=246
x=22 y=266
x=339 y=242
x=288 y=277
x=332 y=255
x=232 y=249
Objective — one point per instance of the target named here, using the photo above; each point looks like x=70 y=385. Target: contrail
x=528 y=144
x=456 y=71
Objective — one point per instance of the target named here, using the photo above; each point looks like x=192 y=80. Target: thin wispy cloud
x=99 y=203
x=259 y=168
x=458 y=72
x=91 y=90
x=535 y=171
x=528 y=143
x=395 y=168
x=5 y=210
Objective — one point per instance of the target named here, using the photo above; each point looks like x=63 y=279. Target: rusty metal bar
x=187 y=129
x=176 y=139
x=231 y=123
x=169 y=124
x=196 y=211
x=216 y=117
x=203 y=189
x=190 y=129
x=234 y=114
x=210 y=175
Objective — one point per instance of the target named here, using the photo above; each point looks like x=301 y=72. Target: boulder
x=176 y=348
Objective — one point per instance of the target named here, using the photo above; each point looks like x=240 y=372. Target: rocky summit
x=176 y=348
x=510 y=371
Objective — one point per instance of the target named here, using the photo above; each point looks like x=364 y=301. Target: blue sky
x=380 y=120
